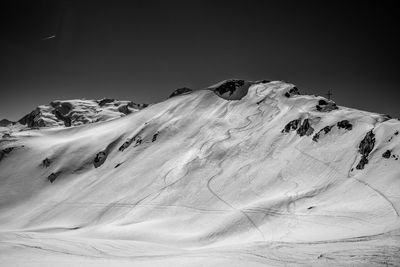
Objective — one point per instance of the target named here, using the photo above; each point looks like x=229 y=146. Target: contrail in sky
x=49 y=37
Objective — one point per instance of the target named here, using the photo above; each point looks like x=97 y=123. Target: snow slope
x=274 y=178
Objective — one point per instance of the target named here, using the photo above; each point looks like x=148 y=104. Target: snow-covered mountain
x=77 y=112
x=240 y=174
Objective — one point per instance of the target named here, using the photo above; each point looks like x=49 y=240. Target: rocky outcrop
x=180 y=91
x=155 y=137
x=324 y=130
x=365 y=148
x=126 y=144
x=325 y=106
x=229 y=86
x=100 y=159
x=301 y=128
x=291 y=126
x=293 y=91
x=59 y=115
x=46 y=162
x=105 y=101
x=53 y=176
x=305 y=128
x=5 y=152
x=62 y=107
x=33 y=119
x=6 y=135
x=345 y=124
x=387 y=154
x=124 y=109
x=5 y=123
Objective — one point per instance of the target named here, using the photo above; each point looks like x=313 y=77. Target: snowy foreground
x=273 y=179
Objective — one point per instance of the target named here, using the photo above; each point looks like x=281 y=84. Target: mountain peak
x=77 y=112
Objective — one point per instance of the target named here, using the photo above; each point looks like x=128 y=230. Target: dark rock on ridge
x=5 y=123
x=293 y=91
x=62 y=107
x=104 y=101
x=180 y=91
x=124 y=109
x=326 y=106
x=33 y=119
x=229 y=86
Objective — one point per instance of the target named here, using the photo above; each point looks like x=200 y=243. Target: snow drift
x=268 y=177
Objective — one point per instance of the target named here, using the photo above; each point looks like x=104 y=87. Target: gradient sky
x=143 y=50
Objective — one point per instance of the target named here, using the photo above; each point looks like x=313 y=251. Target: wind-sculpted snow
x=199 y=180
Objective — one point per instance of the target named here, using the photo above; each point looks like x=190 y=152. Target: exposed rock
x=5 y=123
x=324 y=130
x=155 y=136
x=119 y=164
x=229 y=86
x=59 y=115
x=362 y=163
x=396 y=133
x=305 y=129
x=126 y=144
x=5 y=151
x=291 y=126
x=367 y=144
x=63 y=107
x=78 y=112
x=137 y=106
x=387 y=154
x=293 y=91
x=345 y=124
x=46 y=162
x=104 y=101
x=326 y=106
x=181 y=91
x=6 y=135
x=385 y=117
x=365 y=148
x=124 y=109
x=138 y=141
x=33 y=119
x=53 y=176
x=100 y=159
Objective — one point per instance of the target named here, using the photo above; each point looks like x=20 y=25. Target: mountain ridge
x=198 y=171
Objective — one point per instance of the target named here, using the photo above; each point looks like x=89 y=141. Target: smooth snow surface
x=198 y=180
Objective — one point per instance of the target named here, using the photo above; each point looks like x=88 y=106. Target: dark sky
x=143 y=50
